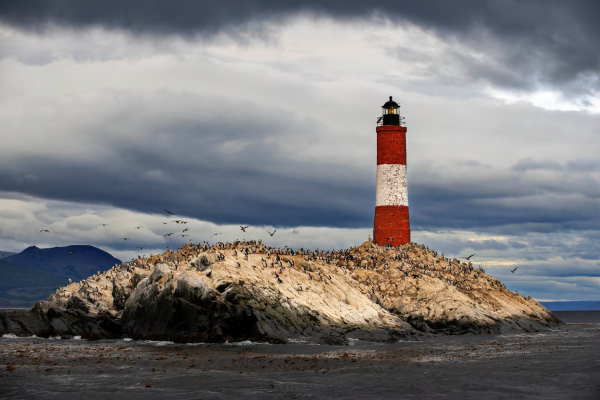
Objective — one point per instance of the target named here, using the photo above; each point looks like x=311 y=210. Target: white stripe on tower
x=392 y=187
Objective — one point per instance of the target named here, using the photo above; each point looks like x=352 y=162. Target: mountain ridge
x=35 y=273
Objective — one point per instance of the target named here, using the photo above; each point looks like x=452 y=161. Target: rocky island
x=246 y=290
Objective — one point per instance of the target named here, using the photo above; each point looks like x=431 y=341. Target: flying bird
x=185 y=230
x=513 y=270
x=166 y=223
x=125 y=238
x=169 y=234
x=271 y=233
x=183 y=222
x=103 y=224
x=468 y=258
x=141 y=248
x=167 y=211
x=216 y=234
x=138 y=227
x=244 y=228
x=45 y=230
x=184 y=235
x=69 y=270
x=71 y=251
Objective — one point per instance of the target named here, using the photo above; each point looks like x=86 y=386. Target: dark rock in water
x=201 y=294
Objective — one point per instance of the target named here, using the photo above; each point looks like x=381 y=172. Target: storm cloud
x=513 y=44
x=264 y=114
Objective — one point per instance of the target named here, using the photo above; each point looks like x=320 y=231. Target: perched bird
x=103 y=224
x=468 y=258
x=238 y=264
x=169 y=234
x=244 y=228
x=167 y=211
x=271 y=233
x=45 y=230
x=141 y=248
x=216 y=234
x=138 y=227
x=513 y=270
x=125 y=238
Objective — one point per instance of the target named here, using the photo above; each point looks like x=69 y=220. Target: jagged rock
x=208 y=294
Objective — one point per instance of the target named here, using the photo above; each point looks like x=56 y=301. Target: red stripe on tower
x=392 y=224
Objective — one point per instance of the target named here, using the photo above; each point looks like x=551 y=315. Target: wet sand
x=563 y=364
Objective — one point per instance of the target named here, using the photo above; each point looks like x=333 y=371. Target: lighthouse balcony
x=391 y=119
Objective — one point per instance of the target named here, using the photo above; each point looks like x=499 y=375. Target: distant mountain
x=35 y=273
x=6 y=254
x=84 y=261
x=571 y=305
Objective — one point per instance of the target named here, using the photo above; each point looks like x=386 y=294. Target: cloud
x=104 y=125
x=231 y=135
x=511 y=44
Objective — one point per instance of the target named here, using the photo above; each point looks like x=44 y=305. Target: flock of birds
x=242 y=227
x=177 y=221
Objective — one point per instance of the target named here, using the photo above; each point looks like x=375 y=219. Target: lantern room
x=391 y=113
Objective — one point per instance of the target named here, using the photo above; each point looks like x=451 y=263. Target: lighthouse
x=392 y=225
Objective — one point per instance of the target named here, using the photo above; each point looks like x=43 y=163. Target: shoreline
x=551 y=365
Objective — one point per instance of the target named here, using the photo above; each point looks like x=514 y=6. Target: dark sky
x=263 y=113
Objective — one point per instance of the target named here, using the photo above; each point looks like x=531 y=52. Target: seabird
x=185 y=230
x=45 y=230
x=141 y=248
x=271 y=233
x=168 y=212
x=513 y=270
x=468 y=258
x=103 y=224
x=125 y=239
x=169 y=234
x=244 y=228
x=138 y=227
x=216 y=234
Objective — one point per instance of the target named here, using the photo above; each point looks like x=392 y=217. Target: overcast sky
x=263 y=114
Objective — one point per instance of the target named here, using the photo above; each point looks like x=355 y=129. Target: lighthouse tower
x=392 y=225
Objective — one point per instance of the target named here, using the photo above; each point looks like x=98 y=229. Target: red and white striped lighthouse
x=392 y=224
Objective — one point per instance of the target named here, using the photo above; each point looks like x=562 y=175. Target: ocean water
x=559 y=364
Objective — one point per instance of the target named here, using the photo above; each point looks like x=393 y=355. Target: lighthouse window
x=392 y=111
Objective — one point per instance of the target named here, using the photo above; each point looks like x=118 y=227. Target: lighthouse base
x=392 y=225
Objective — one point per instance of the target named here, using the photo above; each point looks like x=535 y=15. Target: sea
x=563 y=363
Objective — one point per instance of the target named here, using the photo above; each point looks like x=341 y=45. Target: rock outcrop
x=246 y=290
